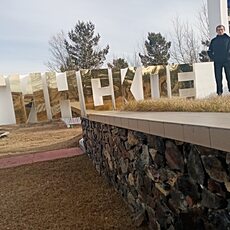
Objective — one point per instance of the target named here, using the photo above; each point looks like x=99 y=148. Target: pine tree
x=120 y=63
x=157 y=50
x=83 y=47
x=203 y=55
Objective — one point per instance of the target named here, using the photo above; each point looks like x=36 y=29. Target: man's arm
x=228 y=49
x=210 y=51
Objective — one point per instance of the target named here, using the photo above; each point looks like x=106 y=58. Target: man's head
x=220 y=29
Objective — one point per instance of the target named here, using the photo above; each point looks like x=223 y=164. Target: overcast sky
x=27 y=25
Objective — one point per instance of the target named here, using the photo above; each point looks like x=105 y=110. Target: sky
x=27 y=26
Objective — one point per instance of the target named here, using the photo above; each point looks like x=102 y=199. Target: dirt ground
x=38 y=137
x=65 y=194
x=62 y=194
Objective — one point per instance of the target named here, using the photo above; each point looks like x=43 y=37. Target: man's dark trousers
x=218 y=67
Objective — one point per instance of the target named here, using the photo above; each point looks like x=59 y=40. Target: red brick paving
x=13 y=161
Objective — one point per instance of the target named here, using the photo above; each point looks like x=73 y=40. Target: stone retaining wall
x=167 y=184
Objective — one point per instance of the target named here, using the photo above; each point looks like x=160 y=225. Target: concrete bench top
x=201 y=128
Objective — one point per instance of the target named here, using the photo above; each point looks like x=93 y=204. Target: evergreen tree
x=157 y=50
x=118 y=63
x=203 y=55
x=83 y=47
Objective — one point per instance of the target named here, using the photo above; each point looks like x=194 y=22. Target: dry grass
x=65 y=194
x=38 y=137
x=210 y=104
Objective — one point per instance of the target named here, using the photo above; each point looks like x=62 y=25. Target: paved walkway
x=17 y=160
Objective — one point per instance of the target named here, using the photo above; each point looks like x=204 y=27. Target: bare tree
x=59 y=60
x=203 y=22
x=203 y=27
x=135 y=60
x=185 y=43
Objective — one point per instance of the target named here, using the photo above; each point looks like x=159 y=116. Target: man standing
x=219 y=52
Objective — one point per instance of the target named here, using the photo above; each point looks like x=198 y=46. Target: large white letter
x=99 y=92
x=217 y=15
x=7 y=115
